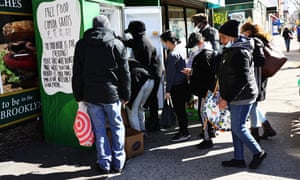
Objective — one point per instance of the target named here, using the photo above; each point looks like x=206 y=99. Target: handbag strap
x=170 y=102
x=216 y=86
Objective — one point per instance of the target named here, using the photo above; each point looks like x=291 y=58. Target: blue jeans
x=287 y=44
x=256 y=116
x=108 y=155
x=136 y=114
x=240 y=133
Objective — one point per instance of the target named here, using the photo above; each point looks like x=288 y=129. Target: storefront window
x=190 y=25
x=177 y=23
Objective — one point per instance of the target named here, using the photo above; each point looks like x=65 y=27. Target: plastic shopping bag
x=83 y=126
x=220 y=119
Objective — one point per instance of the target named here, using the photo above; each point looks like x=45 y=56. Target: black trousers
x=179 y=94
x=152 y=103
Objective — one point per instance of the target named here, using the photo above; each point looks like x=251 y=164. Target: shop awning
x=215 y=3
x=240 y=5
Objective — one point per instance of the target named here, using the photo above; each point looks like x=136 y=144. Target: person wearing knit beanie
x=238 y=91
x=230 y=28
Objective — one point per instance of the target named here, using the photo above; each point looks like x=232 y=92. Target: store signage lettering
x=18 y=106
x=11 y=3
x=59 y=26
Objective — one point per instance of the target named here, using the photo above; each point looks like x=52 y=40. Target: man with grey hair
x=209 y=33
x=101 y=78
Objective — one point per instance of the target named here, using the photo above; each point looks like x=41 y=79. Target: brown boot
x=268 y=130
x=255 y=134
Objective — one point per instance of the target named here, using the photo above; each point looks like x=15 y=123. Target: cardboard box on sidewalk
x=134 y=142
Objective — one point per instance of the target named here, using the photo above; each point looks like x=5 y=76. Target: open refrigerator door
x=151 y=16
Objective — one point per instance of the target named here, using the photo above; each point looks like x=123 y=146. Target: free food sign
x=59 y=27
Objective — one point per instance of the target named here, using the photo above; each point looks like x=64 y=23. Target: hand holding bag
x=82 y=126
x=274 y=60
x=168 y=116
x=210 y=112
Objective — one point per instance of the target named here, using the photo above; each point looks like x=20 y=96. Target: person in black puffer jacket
x=101 y=78
x=145 y=52
x=238 y=91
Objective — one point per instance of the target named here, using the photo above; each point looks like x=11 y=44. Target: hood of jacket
x=244 y=43
x=97 y=36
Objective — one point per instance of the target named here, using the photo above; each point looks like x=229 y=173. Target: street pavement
x=163 y=160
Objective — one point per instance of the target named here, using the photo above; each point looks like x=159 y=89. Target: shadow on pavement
x=163 y=159
x=57 y=176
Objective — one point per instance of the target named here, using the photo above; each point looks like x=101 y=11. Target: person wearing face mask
x=201 y=72
x=209 y=33
x=176 y=83
x=238 y=91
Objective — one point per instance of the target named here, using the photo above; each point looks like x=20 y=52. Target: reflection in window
x=177 y=24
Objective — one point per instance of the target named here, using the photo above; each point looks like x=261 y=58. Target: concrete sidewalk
x=165 y=160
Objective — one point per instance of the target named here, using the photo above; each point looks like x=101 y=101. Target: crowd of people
x=231 y=57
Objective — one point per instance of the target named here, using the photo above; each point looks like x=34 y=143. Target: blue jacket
x=174 y=65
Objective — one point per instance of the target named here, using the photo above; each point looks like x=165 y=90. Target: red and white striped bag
x=83 y=126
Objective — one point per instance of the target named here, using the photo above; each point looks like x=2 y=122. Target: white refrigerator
x=151 y=16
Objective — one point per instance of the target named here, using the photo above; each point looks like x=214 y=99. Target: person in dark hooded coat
x=101 y=78
x=144 y=52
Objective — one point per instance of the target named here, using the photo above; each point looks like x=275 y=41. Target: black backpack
x=203 y=73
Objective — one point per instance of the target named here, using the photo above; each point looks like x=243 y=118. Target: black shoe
x=268 y=130
x=153 y=128
x=205 y=144
x=257 y=159
x=117 y=170
x=179 y=137
x=102 y=171
x=234 y=163
x=201 y=135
